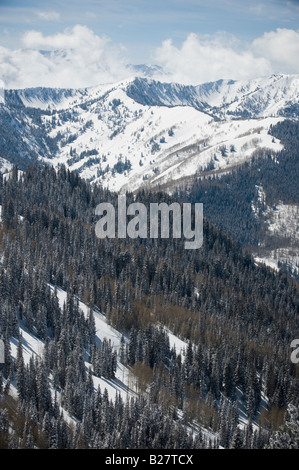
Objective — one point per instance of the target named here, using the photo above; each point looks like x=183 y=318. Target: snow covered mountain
x=275 y=95
x=141 y=131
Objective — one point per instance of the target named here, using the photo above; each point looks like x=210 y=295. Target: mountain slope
x=237 y=319
x=144 y=133
x=275 y=95
x=258 y=201
x=140 y=130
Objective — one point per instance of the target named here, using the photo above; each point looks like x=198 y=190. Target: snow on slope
x=5 y=166
x=143 y=132
x=264 y=96
x=125 y=131
x=62 y=98
x=124 y=144
x=284 y=218
x=124 y=382
x=260 y=97
x=103 y=330
x=230 y=143
x=49 y=98
x=282 y=223
x=34 y=346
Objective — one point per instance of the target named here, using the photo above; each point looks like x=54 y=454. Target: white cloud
x=257 y=9
x=90 y=15
x=75 y=58
x=207 y=59
x=203 y=59
x=48 y=15
x=79 y=37
x=78 y=57
x=281 y=47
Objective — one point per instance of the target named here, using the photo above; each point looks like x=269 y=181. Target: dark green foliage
x=228 y=199
x=238 y=321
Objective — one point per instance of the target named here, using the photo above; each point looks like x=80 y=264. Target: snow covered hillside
x=282 y=225
x=260 y=97
x=140 y=131
x=125 y=383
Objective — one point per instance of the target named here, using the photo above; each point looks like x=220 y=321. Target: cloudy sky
x=76 y=43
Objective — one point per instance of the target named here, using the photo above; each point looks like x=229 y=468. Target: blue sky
x=141 y=25
x=171 y=33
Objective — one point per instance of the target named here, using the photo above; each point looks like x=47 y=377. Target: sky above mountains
x=84 y=43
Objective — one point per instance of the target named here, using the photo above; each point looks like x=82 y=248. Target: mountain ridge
x=203 y=96
x=110 y=111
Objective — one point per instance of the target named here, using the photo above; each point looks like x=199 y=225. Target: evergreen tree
x=288 y=436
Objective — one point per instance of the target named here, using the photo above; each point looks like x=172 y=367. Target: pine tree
x=288 y=436
x=237 y=440
x=30 y=440
x=20 y=373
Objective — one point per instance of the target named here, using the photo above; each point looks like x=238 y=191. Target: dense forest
x=228 y=198
x=237 y=318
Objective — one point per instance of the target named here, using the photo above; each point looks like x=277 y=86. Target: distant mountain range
x=142 y=130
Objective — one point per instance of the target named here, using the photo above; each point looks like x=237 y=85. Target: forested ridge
x=237 y=318
x=229 y=198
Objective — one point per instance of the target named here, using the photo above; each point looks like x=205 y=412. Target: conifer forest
x=233 y=386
